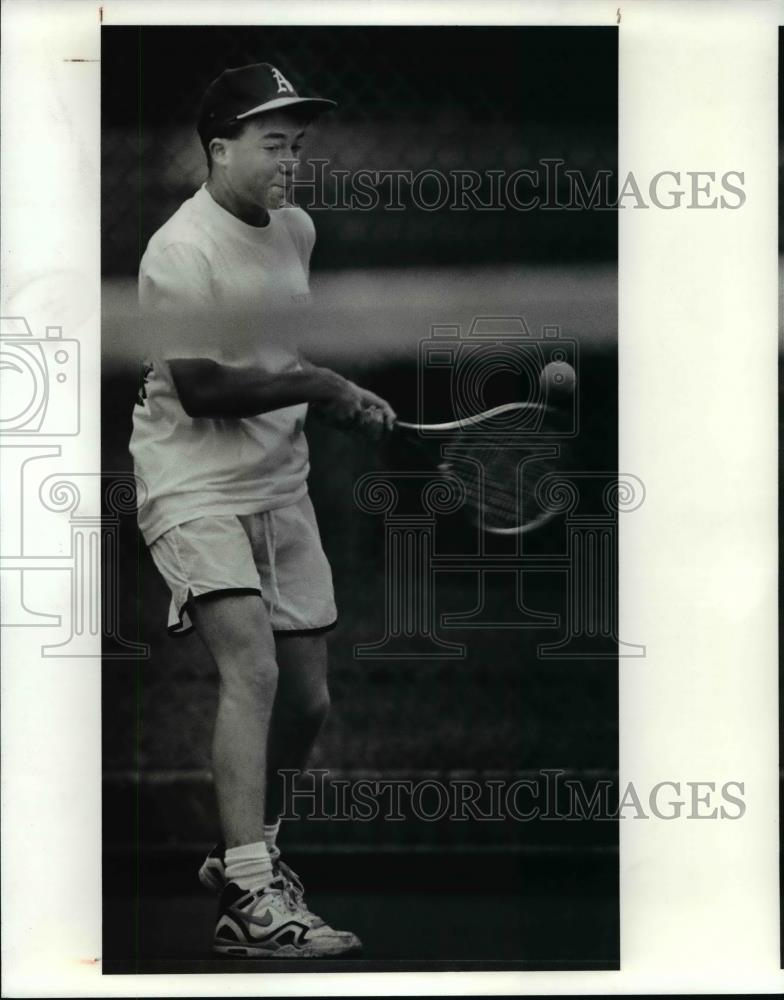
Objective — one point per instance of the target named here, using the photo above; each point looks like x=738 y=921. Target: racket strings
x=500 y=475
x=500 y=482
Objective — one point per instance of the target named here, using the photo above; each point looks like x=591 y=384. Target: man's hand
x=350 y=407
x=377 y=416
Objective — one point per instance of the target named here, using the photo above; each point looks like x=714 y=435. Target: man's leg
x=260 y=913
x=236 y=631
x=301 y=706
x=257 y=917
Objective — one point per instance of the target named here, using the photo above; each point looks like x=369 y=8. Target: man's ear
x=219 y=150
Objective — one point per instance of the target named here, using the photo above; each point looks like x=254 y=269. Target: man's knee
x=246 y=668
x=236 y=631
x=316 y=709
x=308 y=712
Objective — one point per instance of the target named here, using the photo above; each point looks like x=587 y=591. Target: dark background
x=510 y=894
x=445 y=98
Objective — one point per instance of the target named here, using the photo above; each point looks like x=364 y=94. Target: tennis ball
x=557 y=379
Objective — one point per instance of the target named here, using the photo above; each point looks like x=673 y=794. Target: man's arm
x=208 y=389
x=377 y=415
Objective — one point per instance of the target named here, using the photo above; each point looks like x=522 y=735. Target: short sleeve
x=175 y=294
x=175 y=278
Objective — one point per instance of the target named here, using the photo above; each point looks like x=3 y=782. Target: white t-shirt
x=204 y=258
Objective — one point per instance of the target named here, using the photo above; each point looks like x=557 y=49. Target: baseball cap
x=246 y=91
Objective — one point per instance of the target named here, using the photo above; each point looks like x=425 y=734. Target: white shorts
x=276 y=554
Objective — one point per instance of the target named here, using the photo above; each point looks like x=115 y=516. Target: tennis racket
x=506 y=461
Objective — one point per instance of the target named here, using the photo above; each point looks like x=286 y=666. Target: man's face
x=260 y=162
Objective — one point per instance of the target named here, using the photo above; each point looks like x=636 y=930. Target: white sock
x=271 y=838
x=249 y=866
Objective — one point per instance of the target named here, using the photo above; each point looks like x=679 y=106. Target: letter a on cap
x=284 y=87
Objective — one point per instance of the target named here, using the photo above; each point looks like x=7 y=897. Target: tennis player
x=218 y=443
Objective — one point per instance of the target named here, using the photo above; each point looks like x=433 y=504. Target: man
x=222 y=460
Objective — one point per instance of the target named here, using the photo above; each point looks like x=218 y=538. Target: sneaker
x=272 y=923
x=212 y=873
